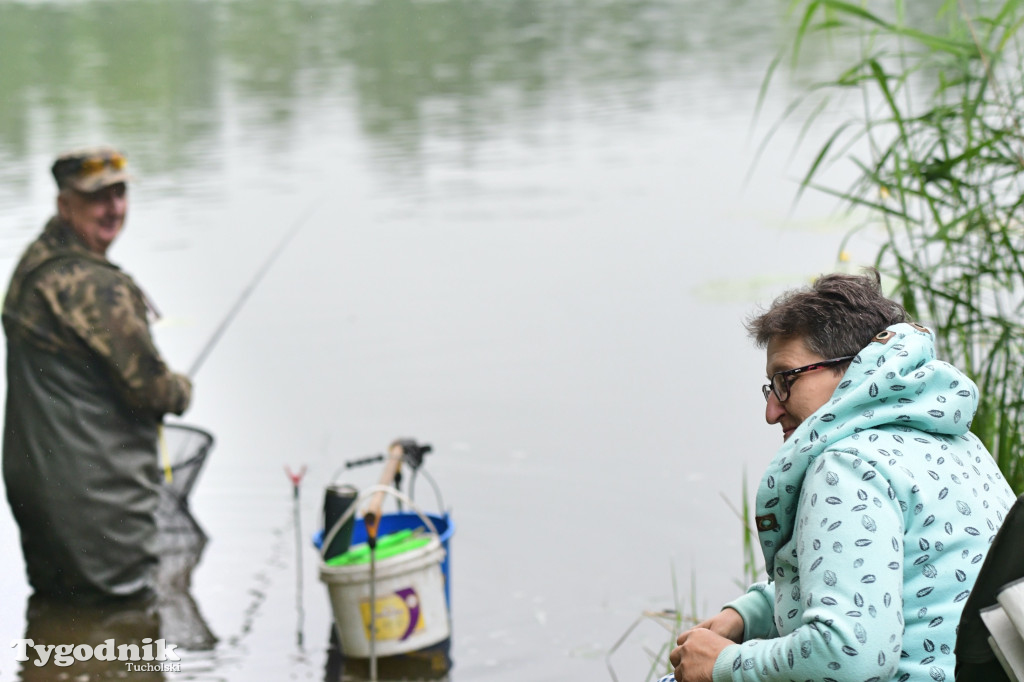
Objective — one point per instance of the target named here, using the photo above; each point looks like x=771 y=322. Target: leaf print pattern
x=884 y=513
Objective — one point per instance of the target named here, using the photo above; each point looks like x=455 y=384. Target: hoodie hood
x=895 y=383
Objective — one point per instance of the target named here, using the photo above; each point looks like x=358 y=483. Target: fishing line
x=250 y=287
x=262 y=577
x=262 y=582
x=168 y=474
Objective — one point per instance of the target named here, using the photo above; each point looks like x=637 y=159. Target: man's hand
x=694 y=658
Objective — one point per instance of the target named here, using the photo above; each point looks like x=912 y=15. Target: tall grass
x=936 y=141
x=753 y=570
x=673 y=620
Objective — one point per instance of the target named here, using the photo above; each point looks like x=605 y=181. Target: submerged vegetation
x=936 y=139
x=671 y=621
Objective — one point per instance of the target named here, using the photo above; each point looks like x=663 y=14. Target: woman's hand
x=728 y=623
x=694 y=658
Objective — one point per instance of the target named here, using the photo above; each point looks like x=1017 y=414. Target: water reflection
x=52 y=624
x=182 y=622
x=172 y=615
x=430 y=663
x=156 y=71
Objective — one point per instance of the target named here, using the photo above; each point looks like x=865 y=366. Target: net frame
x=183 y=451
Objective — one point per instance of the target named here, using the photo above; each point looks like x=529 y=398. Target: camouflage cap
x=90 y=169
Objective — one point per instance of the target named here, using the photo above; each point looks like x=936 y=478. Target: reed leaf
x=943 y=176
x=855 y=11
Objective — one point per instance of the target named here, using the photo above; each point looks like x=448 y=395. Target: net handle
x=392 y=467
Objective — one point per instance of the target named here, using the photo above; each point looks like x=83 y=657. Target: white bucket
x=411 y=610
x=410 y=606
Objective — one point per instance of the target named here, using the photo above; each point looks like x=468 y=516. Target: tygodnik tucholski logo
x=152 y=655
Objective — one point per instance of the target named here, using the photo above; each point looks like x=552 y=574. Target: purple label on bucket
x=412 y=602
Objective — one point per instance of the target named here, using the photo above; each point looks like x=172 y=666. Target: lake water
x=526 y=232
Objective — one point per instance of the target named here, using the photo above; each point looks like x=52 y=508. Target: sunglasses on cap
x=94 y=164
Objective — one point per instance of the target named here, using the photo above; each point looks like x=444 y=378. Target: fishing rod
x=168 y=474
x=247 y=291
x=412 y=455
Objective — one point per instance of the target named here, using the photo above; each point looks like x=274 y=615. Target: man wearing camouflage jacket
x=86 y=393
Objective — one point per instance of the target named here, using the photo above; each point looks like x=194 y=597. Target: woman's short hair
x=837 y=315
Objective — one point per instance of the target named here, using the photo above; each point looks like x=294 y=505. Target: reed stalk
x=938 y=149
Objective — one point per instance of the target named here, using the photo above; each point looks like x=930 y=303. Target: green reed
x=753 y=570
x=671 y=620
x=936 y=139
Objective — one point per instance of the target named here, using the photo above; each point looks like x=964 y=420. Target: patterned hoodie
x=874 y=518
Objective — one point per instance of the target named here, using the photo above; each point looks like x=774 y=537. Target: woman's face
x=807 y=392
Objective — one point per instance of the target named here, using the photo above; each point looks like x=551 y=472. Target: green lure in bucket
x=396 y=543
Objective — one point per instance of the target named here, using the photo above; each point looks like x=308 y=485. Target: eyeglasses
x=780 y=382
x=95 y=164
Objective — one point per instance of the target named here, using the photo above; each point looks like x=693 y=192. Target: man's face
x=807 y=392
x=96 y=217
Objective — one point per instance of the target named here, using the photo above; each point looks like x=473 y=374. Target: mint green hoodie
x=874 y=518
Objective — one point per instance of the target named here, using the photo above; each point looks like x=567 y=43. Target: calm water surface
x=524 y=238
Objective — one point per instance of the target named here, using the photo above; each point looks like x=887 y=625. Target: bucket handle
x=372 y=490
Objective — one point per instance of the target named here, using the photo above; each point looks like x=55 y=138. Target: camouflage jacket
x=64 y=299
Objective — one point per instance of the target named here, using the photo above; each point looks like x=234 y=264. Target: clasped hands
x=698 y=648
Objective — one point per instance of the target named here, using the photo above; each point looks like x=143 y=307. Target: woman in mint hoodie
x=875 y=514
